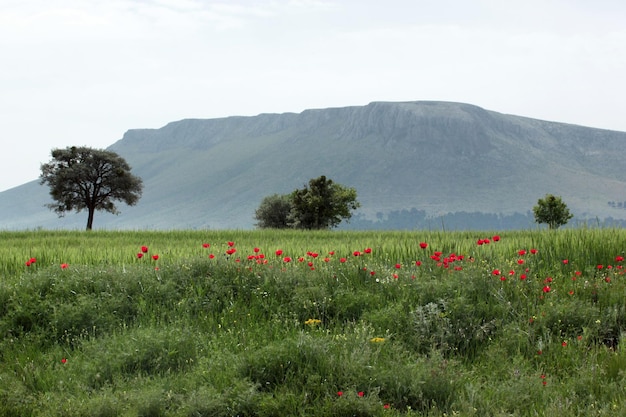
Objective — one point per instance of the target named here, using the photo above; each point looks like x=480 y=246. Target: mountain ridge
x=439 y=157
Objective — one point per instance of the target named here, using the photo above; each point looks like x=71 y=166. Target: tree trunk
x=90 y=217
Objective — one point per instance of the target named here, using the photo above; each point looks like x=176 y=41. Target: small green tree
x=322 y=205
x=273 y=212
x=85 y=178
x=552 y=211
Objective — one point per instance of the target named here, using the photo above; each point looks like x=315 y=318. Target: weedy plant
x=266 y=323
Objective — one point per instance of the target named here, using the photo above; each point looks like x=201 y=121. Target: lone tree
x=552 y=211
x=322 y=205
x=273 y=212
x=85 y=178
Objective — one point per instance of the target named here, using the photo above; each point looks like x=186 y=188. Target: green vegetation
x=89 y=179
x=288 y=323
x=552 y=211
x=323 y=204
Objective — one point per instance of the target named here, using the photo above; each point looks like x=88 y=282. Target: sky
x=83 y=72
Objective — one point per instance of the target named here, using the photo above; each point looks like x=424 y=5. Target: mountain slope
x=438 y=157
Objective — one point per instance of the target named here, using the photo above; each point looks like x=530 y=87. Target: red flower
x=398 y=266
x=231 y=251
x=64 y=361
x=339 y=393
x=372 y=273
x=64 y=266
x=360 y=393
x=565 y=261
x=386 y=406
x=286 y=259
x=564 y=344
x=211 y=256
x=496 y=238
x=600 y=266
x=139 y=255
x=144 y=249
x=367 y=250
x=533 y=251
x=496 y=272
x=423 y=245
x=546 y=289
x=279 y=252
x=522 y=277
x=342 y=260
x=256 y=250
x=206 y=245
x=418 y=263
x=520 y=261
x=521 y=252
x=356 y=253
x=480 y=242
x=155 y=257
x=331 y=253
x=231 y=244
x=619 y=259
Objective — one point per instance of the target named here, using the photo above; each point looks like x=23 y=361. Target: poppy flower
x=286 y=259
x=533 y=251
x=423 y=245
x=331 y=253
x=565 y=261
x=360 y=393
x=367 y=250
x=339 y=393
x=521 y=252
x=64 y=361
x=231 y=244
x=211 y=256
x=398 y=266
x=144 y=249
x=496 y=238
x=256 y=250
x=206 y=245
x=279 y=252
x=64 y=266
x=155 y=257
x=342 y=260
x=496 y=272
x=231 y=251
x=546 y=289
x=356 y=253
x=386 y=406
x=140 y=255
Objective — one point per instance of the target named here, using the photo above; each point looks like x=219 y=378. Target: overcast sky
x=82 y=72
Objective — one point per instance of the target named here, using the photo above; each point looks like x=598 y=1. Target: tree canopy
x=552 y=211
x=83 y=178
x=323 y=204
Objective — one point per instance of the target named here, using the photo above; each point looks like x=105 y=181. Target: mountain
x=423 y=159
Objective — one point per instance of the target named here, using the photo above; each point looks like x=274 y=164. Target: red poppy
x=496 y=272
x=480 y=242
x=331 y=253
x=144 y=249
x=356 y=253
x=565 y=261
x=367 y=250
x=206 y=245
x=231 y=251
x=423 y=245
x=372 y=273
x=279 y=252
x=521 y=252
x=64 y=361
x=155 y=257
x=231 y=244
x=339 y=393
x=522 y=277
x=360 y=393
x=533 y=251
x=386 y=406
x=211 y=256
x=139 y=255
x=342 y=260
x=256 y=250
x=286 y=259
x=398 y=266
x=546 y=289
x=64 y=266
x=418 y=263
x=496 y=238
x=619 y=258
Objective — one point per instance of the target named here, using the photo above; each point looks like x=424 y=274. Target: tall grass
x=335 y=323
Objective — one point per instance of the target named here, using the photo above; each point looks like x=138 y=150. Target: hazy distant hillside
x=425 y=158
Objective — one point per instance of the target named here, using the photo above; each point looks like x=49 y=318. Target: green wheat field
x=294 y=323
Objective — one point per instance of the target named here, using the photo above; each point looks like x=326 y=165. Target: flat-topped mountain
x=419 y=159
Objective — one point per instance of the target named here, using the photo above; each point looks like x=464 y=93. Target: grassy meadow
x=293 y=323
